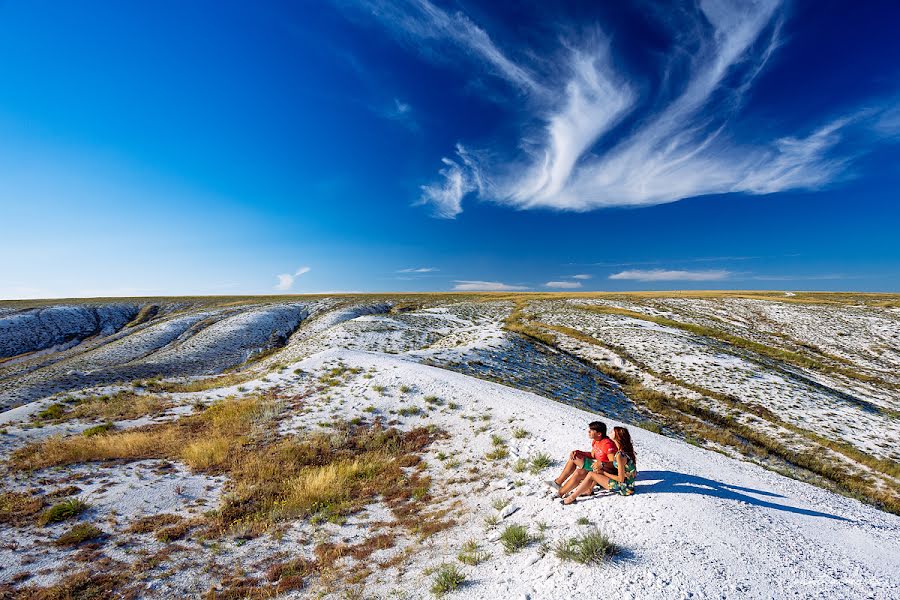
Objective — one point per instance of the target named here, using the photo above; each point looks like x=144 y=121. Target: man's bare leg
x=571 y=466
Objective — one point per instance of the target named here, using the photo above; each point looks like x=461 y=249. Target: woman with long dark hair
x=622 y=480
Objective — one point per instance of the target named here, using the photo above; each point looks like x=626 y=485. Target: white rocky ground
x=701 y=524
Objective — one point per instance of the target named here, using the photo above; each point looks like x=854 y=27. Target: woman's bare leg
x=576 y=478
x=587 y=484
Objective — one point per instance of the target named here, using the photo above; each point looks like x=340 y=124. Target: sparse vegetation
x=498 y=453
x=592 y=547
x=98 y=429
x=514 y=538
x=471 y=554
x=78 y=534
x=63 y=511
x=446 y=579
x=540 y=461
x=324 y=475
x=500 y=503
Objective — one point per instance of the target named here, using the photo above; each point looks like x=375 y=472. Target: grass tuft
x=78 y=534
x=592 y=547
x=514 y=538
x=447 y=578
x=62 y=511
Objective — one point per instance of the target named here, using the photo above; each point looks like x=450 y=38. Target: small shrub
x=583 y=521
x=369 y=409
x=52 y=412
x=408 y=411
x=500 y=503
x=453 y=406
x=497 y=440
x=82 y=532
x=519 y=433
x=540 y=461
x=520 y=465
x=447 y=578
x=62 y=511
x=98 y=429
x=471 y=555
x=491 y=521
x=434 y=400
x=590 y=548
x=652 y=426
x=405 y=389
x=514 y=538
x=498 y=453
x=378 y=388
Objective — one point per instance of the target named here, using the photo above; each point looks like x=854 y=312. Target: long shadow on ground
x=672 y=482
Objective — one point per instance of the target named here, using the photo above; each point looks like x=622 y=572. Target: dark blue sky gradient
x=205 y=147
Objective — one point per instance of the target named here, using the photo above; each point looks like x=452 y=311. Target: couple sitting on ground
x=611 y=463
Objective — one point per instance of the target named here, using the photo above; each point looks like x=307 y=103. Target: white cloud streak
x=582 y=276
x=419 y=270
x=673 y=143
x=415 y=21
x=671 y=275
x=563 y=285
x=486 y=286
x=286 y=280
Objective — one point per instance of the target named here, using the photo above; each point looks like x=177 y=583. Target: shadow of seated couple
x=672 y=482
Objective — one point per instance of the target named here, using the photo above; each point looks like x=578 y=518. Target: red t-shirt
x=601 y=449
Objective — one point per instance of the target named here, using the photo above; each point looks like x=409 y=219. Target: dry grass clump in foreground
x=319 y=476
x=273 y=479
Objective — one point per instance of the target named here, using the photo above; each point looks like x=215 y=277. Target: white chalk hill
x=700 y=525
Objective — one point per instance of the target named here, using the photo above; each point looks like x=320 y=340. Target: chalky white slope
x=700 y=525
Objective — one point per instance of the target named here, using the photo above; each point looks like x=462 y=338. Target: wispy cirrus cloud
x=486 y=286
x=413 y=22
x=582 y=276
x=596 y=135
x=671 y=275
x=418 y=270
x=286 y=280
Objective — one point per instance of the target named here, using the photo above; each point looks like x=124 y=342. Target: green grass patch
x=63 y=511
x=593 y=547
x=514 y=538
x=78 y=534
x=447 y=579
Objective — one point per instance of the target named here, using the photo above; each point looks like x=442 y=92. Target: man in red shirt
x=580 y=462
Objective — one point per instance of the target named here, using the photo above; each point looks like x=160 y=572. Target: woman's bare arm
x=620 y=475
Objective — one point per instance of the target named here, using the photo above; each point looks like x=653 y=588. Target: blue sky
x=233 y=147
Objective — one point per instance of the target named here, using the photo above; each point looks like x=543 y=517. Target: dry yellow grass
x=206 y=454
x=272 y=478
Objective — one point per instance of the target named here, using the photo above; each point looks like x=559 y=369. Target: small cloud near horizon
x=563 y=285
x=419 y=270
x=486 y=286
x=671 y=275
x=286 y=280
x=582 y=276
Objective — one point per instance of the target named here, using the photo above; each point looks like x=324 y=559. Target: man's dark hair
x=598 y=426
